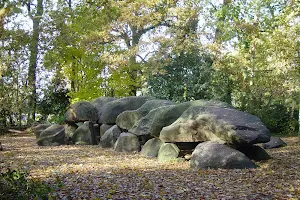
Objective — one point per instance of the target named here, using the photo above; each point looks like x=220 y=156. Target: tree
x=69 y=57
x=263 y=65
x=54 y=103
x=124 y=26
x=36 y=16
x=187 y=77
x=13 y=59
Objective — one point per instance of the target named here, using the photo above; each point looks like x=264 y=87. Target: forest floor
x=90 y=172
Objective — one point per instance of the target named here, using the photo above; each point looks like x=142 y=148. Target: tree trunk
x=34 y=50
x=133 y=73
x=218 y=41
x=133 y=64
x=299 y=120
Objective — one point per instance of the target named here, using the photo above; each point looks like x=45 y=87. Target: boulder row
x=158 y=118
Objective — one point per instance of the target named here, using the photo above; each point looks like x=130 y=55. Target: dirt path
x=90 y=172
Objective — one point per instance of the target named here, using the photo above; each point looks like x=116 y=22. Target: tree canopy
x=243 y=52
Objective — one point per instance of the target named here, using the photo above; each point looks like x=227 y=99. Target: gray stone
x=110 y=137
x=254 y=152
x=158 y=118
x=214 y=155
x=151 y=147
x=111 y=110
x=101 y=101
x=128 y=118
x=80 y=112
x=168 y=152
x=98 y=103
x=127 y=142
x=275 y=142
x=52 y=136
x=39 y=128
x=104 y=128
x=82 y=135
x=214 y=123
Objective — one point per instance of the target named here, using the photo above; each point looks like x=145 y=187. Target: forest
x=182 y=99
x=57 y=52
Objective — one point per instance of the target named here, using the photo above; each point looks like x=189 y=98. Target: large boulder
x=101 y=101
x=151 y=147
x=109 y=138
x=52 y=136
x=128 y=118
x=80 y=112
x=39 y=128
x=214 y=123
x=158 y=118
x=254 y=152
x=168 y=152
x=82 y=135
x=214 y=155
x=104 y=128
x=111 y=110
x=275 y=142
x=127 y=142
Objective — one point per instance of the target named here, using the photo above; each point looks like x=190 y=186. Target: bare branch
x=144 y=61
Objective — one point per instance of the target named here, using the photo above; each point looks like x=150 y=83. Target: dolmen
x=208 y=133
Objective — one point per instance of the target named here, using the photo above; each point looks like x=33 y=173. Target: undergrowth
x=16 y=184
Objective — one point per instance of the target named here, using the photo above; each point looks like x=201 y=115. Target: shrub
x=16 y=184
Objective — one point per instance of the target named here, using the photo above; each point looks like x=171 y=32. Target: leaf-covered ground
x=90 y=172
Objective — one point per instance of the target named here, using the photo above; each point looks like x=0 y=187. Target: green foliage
x=187 y=77
x=263 y=68
x=54 y=103
x=99 y=48
x=16 y=184
x=13 y=56
x=278 y=119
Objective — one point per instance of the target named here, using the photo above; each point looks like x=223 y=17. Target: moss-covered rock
x=151 y=147
x=80 y=112
x=158 y=118
x=128 y=118
x=127 y=142
x=168 y=152
x=214 y=123
x=110 y=137
x=82 y=135
x=52 y=136
x=111 y=110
